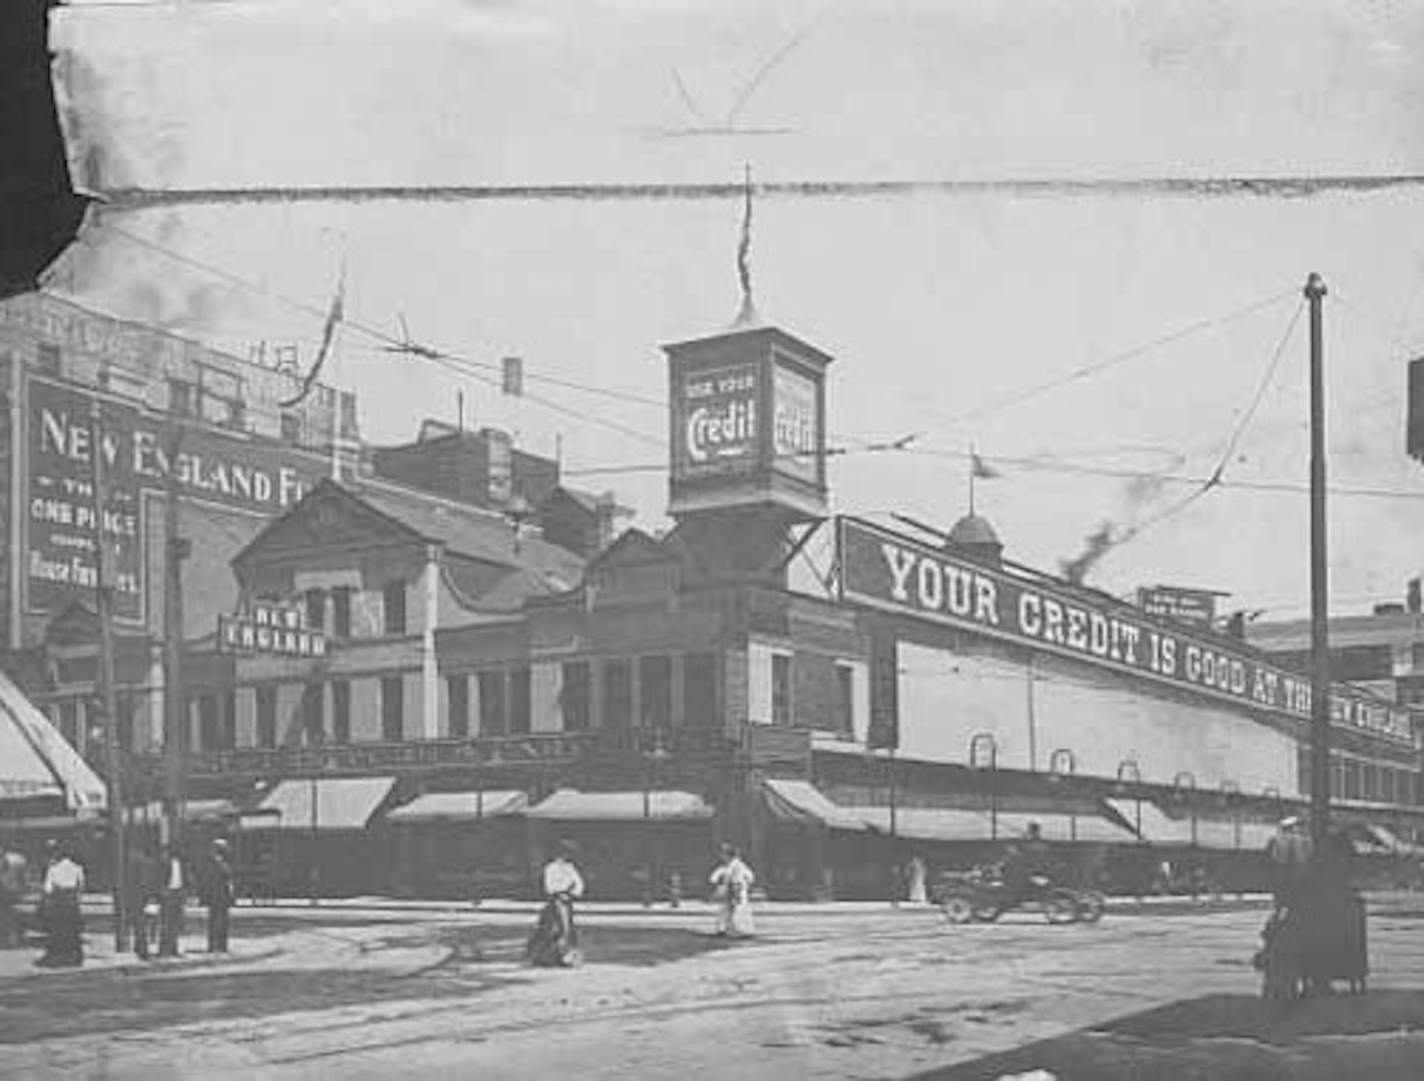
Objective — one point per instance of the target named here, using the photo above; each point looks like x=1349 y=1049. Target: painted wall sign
x=1193 y=606
x=211 y=467
x=796 y=427
x=716 y=421
x=269 y=628
x=891 y=572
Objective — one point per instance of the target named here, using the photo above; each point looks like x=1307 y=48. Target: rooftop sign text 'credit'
x=892 y=572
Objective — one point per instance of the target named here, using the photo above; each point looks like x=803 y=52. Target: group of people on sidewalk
x=153 y=903
x=554 y=940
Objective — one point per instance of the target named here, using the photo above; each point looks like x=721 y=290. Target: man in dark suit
x=218 y=895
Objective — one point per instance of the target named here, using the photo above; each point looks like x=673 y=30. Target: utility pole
x=1319 y=590
x=104 y=609
x=175 y=713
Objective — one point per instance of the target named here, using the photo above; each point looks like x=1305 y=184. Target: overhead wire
x=478 y=370
x=1115 y=359
x=383 y=339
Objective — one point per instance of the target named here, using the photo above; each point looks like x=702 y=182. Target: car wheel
x=1091 y=906
x=957 y=909
x=1060 y=908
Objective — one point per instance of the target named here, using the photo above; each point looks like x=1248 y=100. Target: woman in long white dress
x=732 y=884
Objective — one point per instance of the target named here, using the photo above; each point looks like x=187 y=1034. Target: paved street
x=825 y=992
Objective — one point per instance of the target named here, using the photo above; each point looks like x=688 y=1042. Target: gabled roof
x=491 y=568
x=634 y=547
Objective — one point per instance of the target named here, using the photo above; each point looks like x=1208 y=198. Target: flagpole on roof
x=973 y=458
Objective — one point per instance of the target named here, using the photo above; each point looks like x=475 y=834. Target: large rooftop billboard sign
x=893 y=573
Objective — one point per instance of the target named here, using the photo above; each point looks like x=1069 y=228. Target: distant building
x=1382 y=652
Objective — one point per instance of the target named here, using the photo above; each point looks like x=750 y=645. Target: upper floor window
x=341 y=612
x=699 y=690
x=393 y=603
x=316 y=609
x=781 y=688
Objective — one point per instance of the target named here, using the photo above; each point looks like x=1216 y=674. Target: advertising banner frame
x=1116 y=637
x=232 y=471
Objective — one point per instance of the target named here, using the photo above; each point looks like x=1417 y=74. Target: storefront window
x=699 y=690
x=519 y=700
x=492 y=703
x=341 y=711
x=314 y=714
x=266 y=716
x=617 y=704
x=392 y=709
x=574 y=697
x=655 y=697
x=458 y=697
x=209 y=723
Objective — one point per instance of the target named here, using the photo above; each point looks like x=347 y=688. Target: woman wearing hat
x=732 y=884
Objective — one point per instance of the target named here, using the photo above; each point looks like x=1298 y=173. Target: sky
x=1100 y=349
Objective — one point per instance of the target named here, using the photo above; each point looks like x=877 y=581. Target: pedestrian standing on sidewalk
x=218 y=894
x=732 y=884
x=174 y=899
x=917 y=892
x=141 y=901
x=62 y=891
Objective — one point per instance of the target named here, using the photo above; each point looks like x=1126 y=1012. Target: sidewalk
x=99 y=955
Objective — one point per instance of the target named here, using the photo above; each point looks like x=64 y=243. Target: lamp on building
x=983 y=747
x=1064 y=763
x=1128 y=772
x=653 y=757
x=1230 y=791
x=1183 y=782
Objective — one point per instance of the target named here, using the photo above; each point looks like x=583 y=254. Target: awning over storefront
x=342 y=803
x=1160 y=828
x=35 y=760
x=571 y=805
x=801 y=801
x=460 y=806
x=927 y=823
x=1061 y=826
x=194 y=810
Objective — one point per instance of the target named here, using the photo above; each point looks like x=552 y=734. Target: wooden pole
x=103 y=603
x=1319 y=583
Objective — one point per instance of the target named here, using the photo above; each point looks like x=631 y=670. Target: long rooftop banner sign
x=891 y=572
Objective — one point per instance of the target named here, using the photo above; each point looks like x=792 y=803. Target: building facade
x=449 y=635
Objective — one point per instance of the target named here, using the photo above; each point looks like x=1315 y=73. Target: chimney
x=605 y=515
x=1411 y=596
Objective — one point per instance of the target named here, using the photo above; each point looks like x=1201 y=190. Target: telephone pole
x=175 y=711
x=1319 y=589
x=104 y=610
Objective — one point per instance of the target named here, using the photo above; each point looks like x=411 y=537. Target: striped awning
x=341 y=803
x=801 y=801
x=927 y=823
x=1221 y=834
x=461 y=806
x=662 y=805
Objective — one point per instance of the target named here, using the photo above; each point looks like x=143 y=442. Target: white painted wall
x=946 y=698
